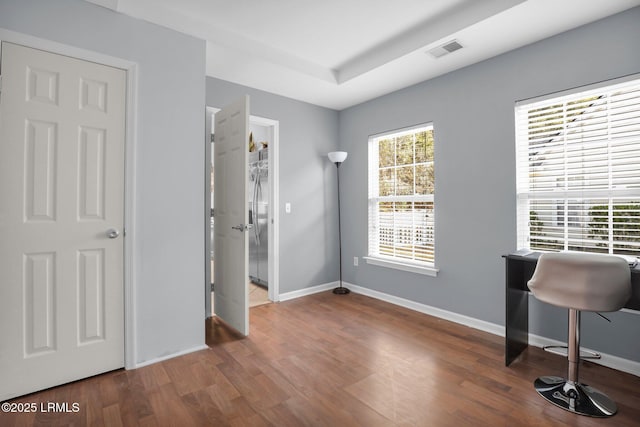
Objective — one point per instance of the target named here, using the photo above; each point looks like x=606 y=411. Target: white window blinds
x=578 y=165
x=401 y=196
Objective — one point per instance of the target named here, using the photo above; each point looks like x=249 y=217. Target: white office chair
x=579 y=281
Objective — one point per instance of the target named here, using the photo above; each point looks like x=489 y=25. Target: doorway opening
x=262 y=191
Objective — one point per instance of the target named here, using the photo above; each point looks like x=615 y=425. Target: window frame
x=374 y=198
x=577 y=194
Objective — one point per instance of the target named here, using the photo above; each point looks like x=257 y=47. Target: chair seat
x=582 y=281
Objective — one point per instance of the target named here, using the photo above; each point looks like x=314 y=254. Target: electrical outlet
x=355 y=261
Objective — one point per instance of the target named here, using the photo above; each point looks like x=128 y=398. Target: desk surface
x=530 y=260
x=518 y=270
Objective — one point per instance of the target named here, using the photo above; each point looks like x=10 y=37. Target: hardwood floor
x=334 y=360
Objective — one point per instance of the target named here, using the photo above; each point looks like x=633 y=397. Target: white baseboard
x=170 y=356
x=308 y=291
x=492 y=328
x=611 y=361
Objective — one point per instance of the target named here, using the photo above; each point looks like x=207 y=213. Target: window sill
x=413 y=268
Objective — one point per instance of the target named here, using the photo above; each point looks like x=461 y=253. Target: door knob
x=112 y=233
x=242 y=227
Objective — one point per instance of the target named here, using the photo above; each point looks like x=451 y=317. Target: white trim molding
x=404 y=266
x=308 y=291
x=169 y=356
x=130 y=238
x=472 y=322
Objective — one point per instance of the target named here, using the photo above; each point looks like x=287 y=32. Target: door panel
x=231 y=210
x=61 y=188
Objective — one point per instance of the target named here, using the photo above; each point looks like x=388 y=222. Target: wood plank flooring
x=334 y=360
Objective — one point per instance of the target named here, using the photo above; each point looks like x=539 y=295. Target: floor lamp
x=338 y=157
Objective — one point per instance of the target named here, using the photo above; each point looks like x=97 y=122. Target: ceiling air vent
x=444 y=49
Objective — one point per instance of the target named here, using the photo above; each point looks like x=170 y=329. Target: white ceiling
x=338 y=53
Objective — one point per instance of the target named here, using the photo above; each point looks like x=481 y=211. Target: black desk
x=518 y=271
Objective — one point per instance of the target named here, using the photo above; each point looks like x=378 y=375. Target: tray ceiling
x=338 y=53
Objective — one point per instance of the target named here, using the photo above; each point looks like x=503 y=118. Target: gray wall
x=169 y=173
x=308 y=235
x=473 y=114
x=472 y=110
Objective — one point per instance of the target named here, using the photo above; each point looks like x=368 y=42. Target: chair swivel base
x=590 y=401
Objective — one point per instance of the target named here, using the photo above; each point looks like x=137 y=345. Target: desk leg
x=517 y=311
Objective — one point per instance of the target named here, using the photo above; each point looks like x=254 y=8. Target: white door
x=61 y=219
x=231 y=215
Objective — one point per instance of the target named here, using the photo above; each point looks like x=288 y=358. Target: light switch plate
x=287 y=207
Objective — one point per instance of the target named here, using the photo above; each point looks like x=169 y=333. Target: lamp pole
x=340 y=290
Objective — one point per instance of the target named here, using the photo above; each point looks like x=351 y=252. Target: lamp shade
x=337 y=156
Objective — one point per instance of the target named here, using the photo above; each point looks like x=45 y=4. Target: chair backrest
x=583 y=281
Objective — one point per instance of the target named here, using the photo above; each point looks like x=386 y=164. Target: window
x=401 y=210
x=578 y=165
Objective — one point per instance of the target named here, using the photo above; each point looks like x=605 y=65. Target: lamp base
x=341 y=291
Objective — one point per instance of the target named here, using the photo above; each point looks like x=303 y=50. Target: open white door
x=231 y=215
x=62 y=124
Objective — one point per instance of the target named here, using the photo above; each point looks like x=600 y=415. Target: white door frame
x=131 y=68
x=274 y=222
x=208 y=124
